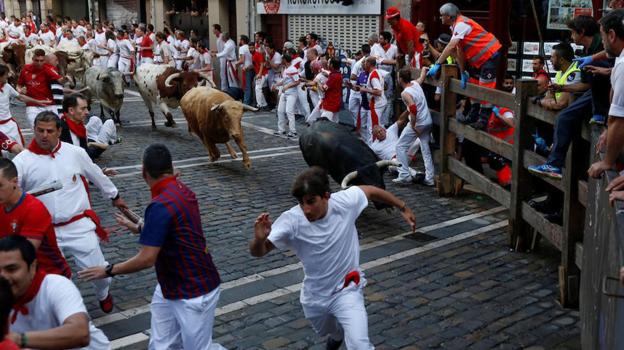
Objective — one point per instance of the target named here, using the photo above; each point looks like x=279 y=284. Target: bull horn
x=206 y=79
x=170 y=78
x=385 y=163
x=102 y=76
x=249 y=108
x=348 y=178
x=215 y=107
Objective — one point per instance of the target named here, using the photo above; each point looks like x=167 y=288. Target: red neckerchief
x=77 y=128
x=387 y=46
x=159 y=187
x=2 y=87
x=31 y=293
x=36 y=149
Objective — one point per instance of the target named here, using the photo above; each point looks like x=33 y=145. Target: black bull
x=336 y=149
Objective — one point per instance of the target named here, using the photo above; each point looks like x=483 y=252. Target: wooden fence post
x=447 y=184
x=521 y=178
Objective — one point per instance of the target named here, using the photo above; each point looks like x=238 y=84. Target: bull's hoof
x=170 y=124
x=154 y=127
x=247 y=164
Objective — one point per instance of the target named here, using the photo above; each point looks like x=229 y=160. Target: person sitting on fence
x=567 y=74
x=594 y=101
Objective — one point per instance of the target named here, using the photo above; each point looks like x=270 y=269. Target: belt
x=89 y=213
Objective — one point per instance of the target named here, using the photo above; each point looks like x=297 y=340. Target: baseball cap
x=444 y=39
x=289 y=45
x=392 y=12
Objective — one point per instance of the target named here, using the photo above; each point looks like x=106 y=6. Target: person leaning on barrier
x=612 y=32
x=558 y=98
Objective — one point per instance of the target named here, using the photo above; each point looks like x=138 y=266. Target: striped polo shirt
x=184 y=268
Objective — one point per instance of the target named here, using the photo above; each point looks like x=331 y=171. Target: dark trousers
x=568 y=125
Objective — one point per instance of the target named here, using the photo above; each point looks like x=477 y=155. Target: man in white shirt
x=228 y=54
x=274 y=58
x=30 y=38
x=375 y=90
x=419 y=127
x=100 y=47
x=288 y=98
x=355 y=98
x=126 y=53
x=375 y=46
x=46 y=37
x=312 y=42
x=182 y=46
x=244 y=60
x=193 y=59
x=321 y=231
x=611 y=30
x=77 y=226
x=387 y=62
x=49 y=312
x=216 y=30
x=15 y=31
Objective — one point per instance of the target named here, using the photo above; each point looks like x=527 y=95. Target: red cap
x=392 y=12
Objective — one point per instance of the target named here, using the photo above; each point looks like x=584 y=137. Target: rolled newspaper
x=54 y=186
x=132 y=216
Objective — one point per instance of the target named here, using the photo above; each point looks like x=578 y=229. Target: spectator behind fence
x=567 y=74
x=539 y=74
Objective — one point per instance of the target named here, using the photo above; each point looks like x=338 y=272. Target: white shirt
x=320 y=79
x=460 y=30
x=206 y=60
x=125 y=48
x=220 y=43
x=31 y=40
x=112 y=44
x=57 y=299
x=195 y=63
x=377 y=50
x=290 y=75
x=68 y=164
x=356 y=69
x=328 y=248
x=423 y=117
x=15 y=32
x=277 y=59
x=68 y=42
x=376 y=82
x=319 y=49
x=182 y=47
x=48 y=38
x=244 y=51
x=6 y=94
x=617 y=84
x=229 y=51
x=386 y=149
x=391 y=54
x=79 y=31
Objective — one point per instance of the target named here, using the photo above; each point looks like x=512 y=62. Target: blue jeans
x=249 y=86
x=568 y=125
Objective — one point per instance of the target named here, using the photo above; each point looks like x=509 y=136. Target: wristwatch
x=109 y=270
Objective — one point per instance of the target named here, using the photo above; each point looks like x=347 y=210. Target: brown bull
x=215 y=117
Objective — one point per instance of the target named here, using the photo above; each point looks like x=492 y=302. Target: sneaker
x=279 y=133
x=107 y=304
x=403 y=180
x=429 y=183
x=598 y=119
x=291 y=135
x=546 y=170
x=333 y=344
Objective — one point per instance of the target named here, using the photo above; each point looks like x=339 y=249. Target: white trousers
x=101 y=61
x=183 y=323
x=315 y=114
x=388 y=110
x=260 y=99
x=12 y=130
x=302 y=95
x=101 y=132
x=286 y=112
x=124 y=65
x=315 y=97
x=222 y=76
x=407 y=139
x=355 y=102
x=366 y=130
x=146 y=60
x=232 y=74
x=342 y=316
x=32 y=111
x=329 y=115
x=112 y=61
x=79 y=240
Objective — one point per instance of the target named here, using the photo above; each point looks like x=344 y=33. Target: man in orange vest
x=480 y=51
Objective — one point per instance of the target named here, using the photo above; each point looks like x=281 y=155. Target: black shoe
x=480 y=124
x=333 y=344
x=555 y=217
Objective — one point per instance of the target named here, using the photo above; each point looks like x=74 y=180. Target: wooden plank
x=480 y=181
x=532 y=158
x=582 y=192
x=552 y=232
x=447 y=183
x=435 y=116
x=482 y=138
x=578 y=255
x=522 y=179
x=542 y=114
x=497 y=97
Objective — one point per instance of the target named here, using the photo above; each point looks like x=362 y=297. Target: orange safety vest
x=479 y=45
x=499 y=129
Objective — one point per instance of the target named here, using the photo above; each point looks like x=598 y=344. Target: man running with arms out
x=184 y=302
x=321 y=230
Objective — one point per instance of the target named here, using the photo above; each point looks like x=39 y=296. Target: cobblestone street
x=453 y=285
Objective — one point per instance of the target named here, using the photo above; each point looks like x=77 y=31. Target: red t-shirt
x=333 y=94
x=37 y=81
x=147 y=41
x=31 y=219
x=258 y=60
x=8 y=345
x=404 y=32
